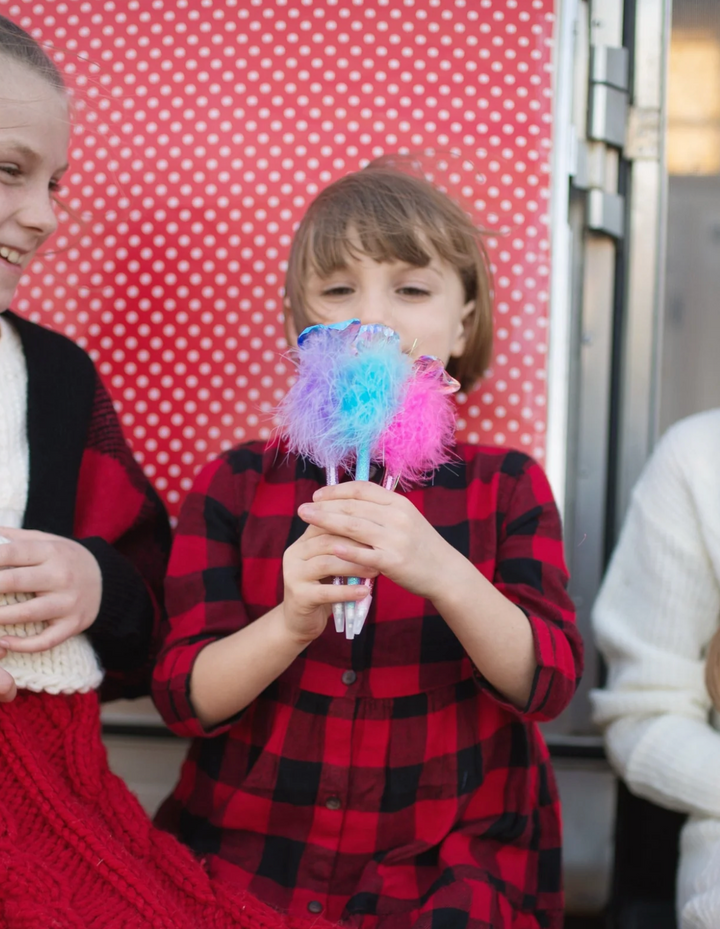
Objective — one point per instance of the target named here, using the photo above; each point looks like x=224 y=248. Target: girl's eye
x=412 y=291
x=12 y=170
x=339 y=290
x=54 y=186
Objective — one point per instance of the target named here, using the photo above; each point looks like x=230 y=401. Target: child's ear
x=463 y=331
x=291 y=333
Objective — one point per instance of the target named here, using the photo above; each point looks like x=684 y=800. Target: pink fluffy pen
x=417 y=441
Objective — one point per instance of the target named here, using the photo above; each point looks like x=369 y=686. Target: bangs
x=386 y=215
x=338 y=238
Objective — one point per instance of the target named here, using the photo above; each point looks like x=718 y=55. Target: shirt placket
x=332 y=801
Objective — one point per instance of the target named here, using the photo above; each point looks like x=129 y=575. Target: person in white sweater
x=656 y=617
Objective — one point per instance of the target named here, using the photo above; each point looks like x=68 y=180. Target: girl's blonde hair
x=712 y=670
x=395 y=216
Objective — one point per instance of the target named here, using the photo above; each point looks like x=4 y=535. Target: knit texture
x=66 y=668
x=656 y=612
x=76 y=849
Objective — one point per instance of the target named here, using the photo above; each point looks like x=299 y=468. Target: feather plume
x=420 y=437
x=309 y=411
x=369 y=388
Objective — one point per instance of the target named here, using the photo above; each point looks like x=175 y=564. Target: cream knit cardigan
x=71 y=666
x=656 y=612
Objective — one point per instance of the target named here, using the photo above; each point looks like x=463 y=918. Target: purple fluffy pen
x=309 y=410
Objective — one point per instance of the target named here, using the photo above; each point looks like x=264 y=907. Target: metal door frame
x=608 y=208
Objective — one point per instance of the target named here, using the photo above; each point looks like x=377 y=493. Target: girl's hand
x=385 y=533
x=65 y=578
x=308 y=565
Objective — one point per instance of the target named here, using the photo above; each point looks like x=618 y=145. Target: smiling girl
x=87 y=533
x=399 y=779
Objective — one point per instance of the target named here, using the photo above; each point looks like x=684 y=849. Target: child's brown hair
x=395 y=216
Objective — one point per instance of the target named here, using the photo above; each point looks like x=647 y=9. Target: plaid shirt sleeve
x=202 y=585
x=121 y=520
x=530 y=571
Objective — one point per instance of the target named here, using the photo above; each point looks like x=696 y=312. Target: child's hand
x=385 y=533
x=307 y=564
x=65 y=578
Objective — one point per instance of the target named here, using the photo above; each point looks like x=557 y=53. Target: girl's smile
x=34 y=134
x=426 y=306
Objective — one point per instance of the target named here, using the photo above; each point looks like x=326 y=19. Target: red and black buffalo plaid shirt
x=382 y=780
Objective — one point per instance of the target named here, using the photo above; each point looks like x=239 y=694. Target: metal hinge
x=606 y=213
x=608 y=99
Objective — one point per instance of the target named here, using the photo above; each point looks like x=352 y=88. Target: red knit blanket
x=77 y=851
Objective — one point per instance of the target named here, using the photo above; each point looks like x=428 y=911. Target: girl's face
x=34 y=135
x=425 y=306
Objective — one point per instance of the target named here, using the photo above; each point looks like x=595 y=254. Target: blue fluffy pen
x=370 y=389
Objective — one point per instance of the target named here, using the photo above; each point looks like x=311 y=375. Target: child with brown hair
x=398 y=779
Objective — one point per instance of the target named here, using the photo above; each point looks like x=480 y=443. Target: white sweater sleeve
x=657 y=610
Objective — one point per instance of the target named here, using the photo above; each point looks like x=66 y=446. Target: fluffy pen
x=359 y=399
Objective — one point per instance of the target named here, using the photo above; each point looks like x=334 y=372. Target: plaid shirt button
x=333 y=803
x=315 y=906
x=349 y=677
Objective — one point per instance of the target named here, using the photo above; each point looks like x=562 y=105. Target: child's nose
x=379 y=311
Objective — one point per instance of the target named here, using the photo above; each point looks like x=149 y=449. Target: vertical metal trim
x=646 y=240
x=589 y=480
x=582 y=339
x=560 y=343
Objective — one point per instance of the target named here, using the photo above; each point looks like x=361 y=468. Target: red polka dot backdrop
x=203 y=128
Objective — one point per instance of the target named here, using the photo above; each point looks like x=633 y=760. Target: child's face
x=34 y=134
x=425 y=306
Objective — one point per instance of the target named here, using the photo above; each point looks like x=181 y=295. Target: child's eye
x=412 y=291
x=12 y=170
x=54 y=186
x=338 y=290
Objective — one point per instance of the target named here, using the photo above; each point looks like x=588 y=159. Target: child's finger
x=329 y=566
x=45 y=609
x=339 y=593
x=379 y=513
x=339 y=523
x=365 y=560
x=27 y=580
x=52 y=635
x=357 y=490
x=23 y=550
x=321 y=544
